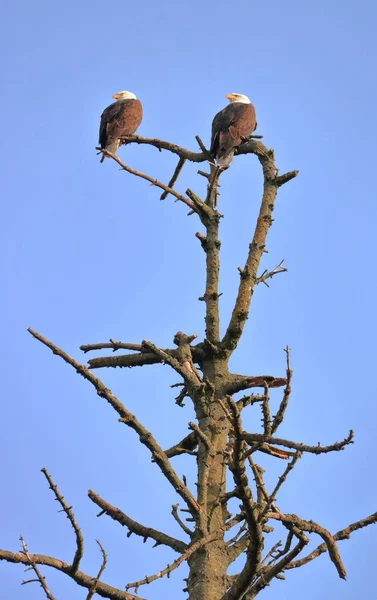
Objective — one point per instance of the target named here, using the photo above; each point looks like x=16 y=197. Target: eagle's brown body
x=229 y=128
x=117 y=120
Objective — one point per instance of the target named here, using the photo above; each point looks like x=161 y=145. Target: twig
x=129 y=419
x=134 y=527
x=174 y=512
x=266 y=411
x=280 y=482
x=313 y=527
x=92 y=590
x=153 y=181
x=262 y=493
x=174 y=177
x=269 y=274
x=278 y=418
x=68 y=511
x=248 y=400
x=39 y=575
x=203 y=148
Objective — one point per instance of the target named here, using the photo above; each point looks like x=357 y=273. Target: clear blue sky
x=90 y=253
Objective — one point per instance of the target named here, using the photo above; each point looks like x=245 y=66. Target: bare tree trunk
x=217 y=441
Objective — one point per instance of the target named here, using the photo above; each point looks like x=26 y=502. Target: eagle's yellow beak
x=116 y=96
x=229 y=96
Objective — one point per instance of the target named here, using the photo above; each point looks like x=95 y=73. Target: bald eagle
x=121 y=118
x=230 y=126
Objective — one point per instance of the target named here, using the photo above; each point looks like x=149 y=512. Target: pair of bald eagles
x=230 y=126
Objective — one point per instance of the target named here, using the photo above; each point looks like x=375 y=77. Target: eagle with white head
x=121 y=118
x=230 y=127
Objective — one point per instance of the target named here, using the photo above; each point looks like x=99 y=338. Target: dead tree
x=217 y=441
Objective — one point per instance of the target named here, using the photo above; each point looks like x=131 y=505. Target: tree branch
x=313 y=527
x=129 y=419
x=239 y=383
x=174 y=177
x=102 y=589
x=68 y=511
x=40 y=578
x=92 y=590
x=259 y=437
x=280 y=482
x=278 y=418
x=343 y=534
x=111 y=344
x=162 y=145
x=187 y=445
x=153 y=181
x=137 y=360
x=249 y=272
x=174 y=512
x=134 y=527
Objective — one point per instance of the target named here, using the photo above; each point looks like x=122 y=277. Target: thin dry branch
x=312 y=527
x=102 y=589
x=343 y=534
x=92 y=590
x=162 y=145
x=68 y=511
x=129 y=419
x=280 y=482
x=33 y=566
x=174 y=177
x=174 y=512
x=152 y=180
x=134 y=527
x=249 y=400
x=278 y=418
x=250 y=438
x=248 y=274
x=266 y=411
x=269 y=274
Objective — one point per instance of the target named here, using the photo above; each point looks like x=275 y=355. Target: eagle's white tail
x=225 y=159
x=112 y=146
